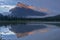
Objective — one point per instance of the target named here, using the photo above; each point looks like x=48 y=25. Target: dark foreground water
x=30 y=31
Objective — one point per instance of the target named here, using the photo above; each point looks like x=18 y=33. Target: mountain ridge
x=22 y=10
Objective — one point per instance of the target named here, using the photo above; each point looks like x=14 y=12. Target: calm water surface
x=30 y=31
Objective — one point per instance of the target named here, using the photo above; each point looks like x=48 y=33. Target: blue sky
x=52 y=5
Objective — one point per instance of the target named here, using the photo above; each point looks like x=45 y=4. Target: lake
x=30 y=31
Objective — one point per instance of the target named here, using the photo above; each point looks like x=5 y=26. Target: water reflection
x=30 y=32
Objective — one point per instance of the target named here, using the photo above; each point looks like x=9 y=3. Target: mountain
x=1 y=15
x=54 y=18
x=22 y=10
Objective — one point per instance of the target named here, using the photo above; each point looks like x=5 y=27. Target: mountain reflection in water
x=30 y=32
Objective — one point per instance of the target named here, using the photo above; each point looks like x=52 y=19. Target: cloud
x=24 y=5
x=4 y=9
x=43 y=9
x=7 y=6
x=31 y=7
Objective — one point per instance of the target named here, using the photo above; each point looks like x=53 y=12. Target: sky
x=52 y=5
